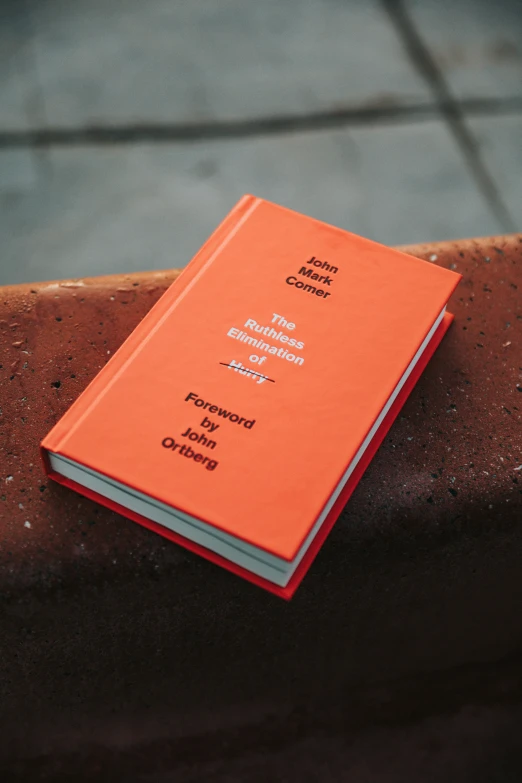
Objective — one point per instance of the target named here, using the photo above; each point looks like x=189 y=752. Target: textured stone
x=125 y=653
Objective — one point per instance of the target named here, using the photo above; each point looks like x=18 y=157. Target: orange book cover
x=254 y=393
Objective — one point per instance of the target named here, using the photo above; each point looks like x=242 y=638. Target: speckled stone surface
x=114 y=640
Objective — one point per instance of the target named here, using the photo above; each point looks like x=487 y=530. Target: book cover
x=256 y=390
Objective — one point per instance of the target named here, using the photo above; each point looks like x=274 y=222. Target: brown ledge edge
x=420 y=581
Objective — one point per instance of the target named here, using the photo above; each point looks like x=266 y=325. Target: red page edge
x=288 y=591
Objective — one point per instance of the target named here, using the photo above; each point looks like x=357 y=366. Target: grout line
x=495 y=107
x=453 y=112
x=110 y=135
x=208 y=131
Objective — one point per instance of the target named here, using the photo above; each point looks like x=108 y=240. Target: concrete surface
x=500 y=139
x=476 y=44
x=128 y=130
x=179 y=61
x=151 y=206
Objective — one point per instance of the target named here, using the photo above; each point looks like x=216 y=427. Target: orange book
x=239 y=415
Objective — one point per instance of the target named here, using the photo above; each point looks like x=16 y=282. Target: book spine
x=124 y=355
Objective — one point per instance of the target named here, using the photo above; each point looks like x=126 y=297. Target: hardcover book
x=240 y=414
